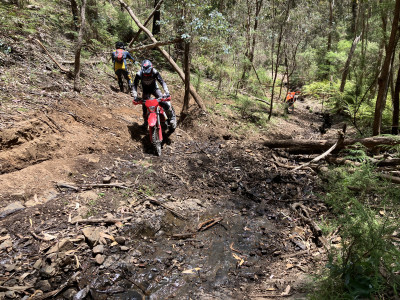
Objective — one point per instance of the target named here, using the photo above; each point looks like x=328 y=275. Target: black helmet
x=147 y=67
x=119 y=45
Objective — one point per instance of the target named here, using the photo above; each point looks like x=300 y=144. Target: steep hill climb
x=88 y=210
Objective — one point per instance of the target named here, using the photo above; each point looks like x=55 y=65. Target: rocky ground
x=87 y=211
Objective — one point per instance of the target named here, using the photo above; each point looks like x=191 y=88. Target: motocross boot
x=121 y=86
x=130 y=87
x=145 y=124
x=171 y=117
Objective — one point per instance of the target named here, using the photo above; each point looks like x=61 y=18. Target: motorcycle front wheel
x=155 y=138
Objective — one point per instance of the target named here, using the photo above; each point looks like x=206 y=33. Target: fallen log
x=306 y=146
x=325 y=154
x=391 y=178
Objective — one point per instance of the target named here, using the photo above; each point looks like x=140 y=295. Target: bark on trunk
x=75 y=13
x=185 y=107
x=396 y=105
x=77 y=69
x=193 y=92
x=277 y=60
x=383 y=78
x=347 y=64
x=156 y=19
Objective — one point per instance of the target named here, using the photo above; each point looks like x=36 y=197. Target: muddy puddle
x=159 y=266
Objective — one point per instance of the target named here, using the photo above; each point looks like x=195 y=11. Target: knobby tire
x=156 y=140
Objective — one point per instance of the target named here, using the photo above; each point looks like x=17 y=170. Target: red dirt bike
x=156 y=120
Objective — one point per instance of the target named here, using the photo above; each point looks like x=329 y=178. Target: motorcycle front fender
x=152 y=119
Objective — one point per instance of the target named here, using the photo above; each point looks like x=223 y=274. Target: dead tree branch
x=51 y=57
x=193 y=92
x=155 y=45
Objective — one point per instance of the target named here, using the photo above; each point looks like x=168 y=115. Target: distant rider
x=290 y=99
x=119 y=57
x=149 y=77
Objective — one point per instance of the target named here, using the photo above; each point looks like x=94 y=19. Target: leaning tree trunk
x=347 y=64
x=185 y=107
x=383 y=78
x=193 y=92
x=77 y=68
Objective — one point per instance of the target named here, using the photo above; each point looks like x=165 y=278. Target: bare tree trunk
x=186 y=63
x=278 y=54
x=193 y=92
x=396 y=105
x=77 y=70
x=156 y=19
x=355 y=13
x=75 y=13
x=251 y=37
x=347 y=64
x=383 y=78
x=275 y=71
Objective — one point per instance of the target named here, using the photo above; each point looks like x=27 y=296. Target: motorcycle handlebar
x=162 y=99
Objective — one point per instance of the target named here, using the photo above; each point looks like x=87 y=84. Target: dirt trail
x=257 y=247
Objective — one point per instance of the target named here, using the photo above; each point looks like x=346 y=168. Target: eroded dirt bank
x=212 y=218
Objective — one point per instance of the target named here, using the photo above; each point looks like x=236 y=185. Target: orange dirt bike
x=156 y=120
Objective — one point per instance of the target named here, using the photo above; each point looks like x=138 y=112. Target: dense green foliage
x=367 y=260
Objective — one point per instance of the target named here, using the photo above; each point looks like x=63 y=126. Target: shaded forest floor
x=212 y=218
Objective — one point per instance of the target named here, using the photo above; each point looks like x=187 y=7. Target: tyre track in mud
x=203 y=174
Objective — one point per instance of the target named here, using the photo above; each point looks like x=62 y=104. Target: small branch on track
x=266 y=296
x=294 y=254
x=183 y=236
x=105 y=220
x=174 y=212
x=209 y=223
x=91 y=186
x=37 y=237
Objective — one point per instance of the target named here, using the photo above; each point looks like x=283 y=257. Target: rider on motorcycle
x=149 y=77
